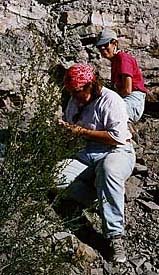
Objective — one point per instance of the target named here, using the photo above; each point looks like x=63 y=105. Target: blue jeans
x=101 y=176
x=135 y=103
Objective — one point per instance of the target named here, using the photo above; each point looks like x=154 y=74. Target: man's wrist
x=81 y=131
x=85 y=132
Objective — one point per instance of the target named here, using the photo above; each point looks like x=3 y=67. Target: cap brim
x=104 y=41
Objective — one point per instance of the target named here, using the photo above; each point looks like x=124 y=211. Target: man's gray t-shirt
x=107 y=112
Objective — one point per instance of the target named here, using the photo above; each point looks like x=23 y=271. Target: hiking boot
x=118 y=249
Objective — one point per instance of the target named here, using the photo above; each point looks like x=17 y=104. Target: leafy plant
x=35 y=145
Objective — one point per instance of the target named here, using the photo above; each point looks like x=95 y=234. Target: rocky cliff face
x=66 y=31
x=71 y=28
x=33 y=34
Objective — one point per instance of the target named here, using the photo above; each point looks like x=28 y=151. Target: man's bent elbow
x=126 y=92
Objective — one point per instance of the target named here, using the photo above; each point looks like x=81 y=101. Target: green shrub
x=36 y=143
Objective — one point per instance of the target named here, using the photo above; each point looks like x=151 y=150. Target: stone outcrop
x=71 y=29
x=68 y=29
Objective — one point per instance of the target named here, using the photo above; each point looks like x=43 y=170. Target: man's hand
x=75 y=129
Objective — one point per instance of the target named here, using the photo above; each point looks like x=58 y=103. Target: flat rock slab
x=150 y=204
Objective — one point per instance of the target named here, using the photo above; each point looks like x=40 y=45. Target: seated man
x=99 y=115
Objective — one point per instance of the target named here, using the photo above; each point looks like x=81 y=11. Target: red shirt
x=124 y=63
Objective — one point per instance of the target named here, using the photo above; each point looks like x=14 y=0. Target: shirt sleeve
x=126 y=65
x=116 y=122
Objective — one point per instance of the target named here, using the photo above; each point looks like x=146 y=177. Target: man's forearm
x=100 y=136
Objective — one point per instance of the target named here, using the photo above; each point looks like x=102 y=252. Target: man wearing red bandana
x=101 y=168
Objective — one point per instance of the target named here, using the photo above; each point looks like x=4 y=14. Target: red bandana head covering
x=78 y=75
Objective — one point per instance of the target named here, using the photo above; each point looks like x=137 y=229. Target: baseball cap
x=106 y=36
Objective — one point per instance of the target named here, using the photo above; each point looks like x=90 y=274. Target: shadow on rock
x=71 y=213
x=88 y=235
